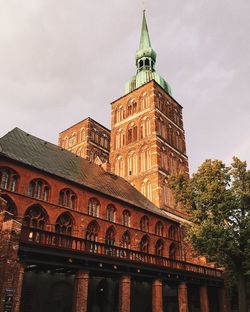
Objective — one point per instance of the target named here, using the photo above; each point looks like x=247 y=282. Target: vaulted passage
x=141 y=296
x=50 y=292
x=103 y=294
x=170 y=297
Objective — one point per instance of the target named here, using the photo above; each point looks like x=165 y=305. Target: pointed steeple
x=145 y=55
x=145 y=63
x=145 y=40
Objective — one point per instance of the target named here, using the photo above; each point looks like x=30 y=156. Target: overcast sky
x=62 y=61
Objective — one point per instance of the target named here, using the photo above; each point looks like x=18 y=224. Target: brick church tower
x=147 y=135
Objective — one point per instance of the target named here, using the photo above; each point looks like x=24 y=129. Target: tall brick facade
x=148 y=142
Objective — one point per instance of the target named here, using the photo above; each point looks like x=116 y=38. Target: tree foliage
x=217 y=198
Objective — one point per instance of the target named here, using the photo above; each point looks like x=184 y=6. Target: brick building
x=79 y=233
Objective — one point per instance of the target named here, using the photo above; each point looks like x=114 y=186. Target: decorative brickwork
x=148 y=142
x=87 y=139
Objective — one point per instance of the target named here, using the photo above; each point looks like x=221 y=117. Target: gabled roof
x=30 y=150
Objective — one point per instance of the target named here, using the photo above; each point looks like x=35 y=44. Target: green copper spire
x=145 y=40
x=145 y=63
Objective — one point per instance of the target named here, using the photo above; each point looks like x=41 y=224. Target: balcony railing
x=54 y=240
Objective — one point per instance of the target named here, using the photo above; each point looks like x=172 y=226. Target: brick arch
x=110 y=235
x=144 y=244
x=11 y=206
x=36 y=216
x=92 y=231
x=126 y=239
x=8 y=178
x=64 y=223
x=159 y=247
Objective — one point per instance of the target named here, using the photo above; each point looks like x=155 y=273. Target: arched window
x=132 y=133
x=110 y=236
x=173 y=251
x=126 y=240
x=132 y=163
x=119 y=114
x=111 y=213
x=72 y=140
x=64 y=224
x=144 y=101
x=146 y=189
x=173 y=232
x=35 y=217
x=82 y=135
x=159 y=228
x=39 y=188
x=93 y=207
x=144 y=244
x=119 y=138
x=131 y=107
x=144 y=223
x=119 y=166
x=145 y=128
x=159 y=248
x=126 y=218
x=11 y=207
x=92 y=231
x=66 y=143
x=8 y=179
x=145 y=159
x=67 y=198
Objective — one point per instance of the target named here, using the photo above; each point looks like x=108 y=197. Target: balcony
x=35 y=237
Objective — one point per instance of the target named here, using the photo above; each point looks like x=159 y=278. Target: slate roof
x=30 y=150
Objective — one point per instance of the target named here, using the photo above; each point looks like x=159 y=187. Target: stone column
x=80 y=302
x=183 y=297
x=124 y=293
x=157 y=305
x=223 y=300
x=204 y=299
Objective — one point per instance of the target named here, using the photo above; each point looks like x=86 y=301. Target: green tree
x=218 y=200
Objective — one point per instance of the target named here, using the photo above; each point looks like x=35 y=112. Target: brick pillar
x=157 y=305
x=204 y=299
x=224 y=305
x=80 y=303
x=183 y=297
x=11 y=270
x=124 y=293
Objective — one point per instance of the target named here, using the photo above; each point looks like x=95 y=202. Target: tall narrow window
x=8 y=179
x=144 y=223
x=126 y=218
x=119 y=166
x=159 y=228
x=144 y=244
x=110 y=237
x=93 y=207
x=159 y=248
x=126 y=240
x=39 y=189
x=67 y=198
x=111 y=213
x=92 y=231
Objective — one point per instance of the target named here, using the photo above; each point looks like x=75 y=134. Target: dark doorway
x=213 y=297
x=193 y=298
x=170 y=297
x=103 y=294
x=141 y=296
x=50 y=292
